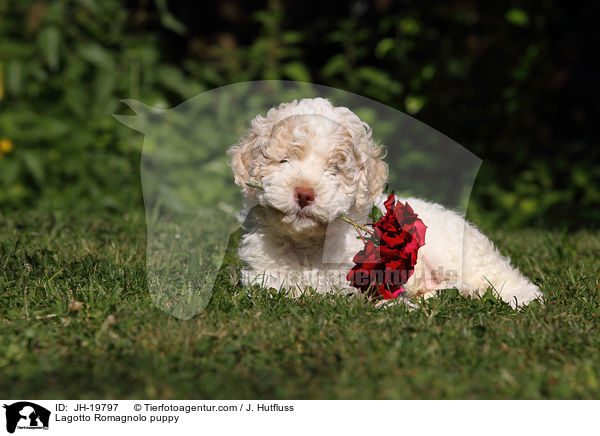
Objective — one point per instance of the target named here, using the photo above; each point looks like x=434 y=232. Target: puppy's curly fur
x=312 y=144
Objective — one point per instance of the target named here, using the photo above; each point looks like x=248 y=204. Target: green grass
x=119 y=345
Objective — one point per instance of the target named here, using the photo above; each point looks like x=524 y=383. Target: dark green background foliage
x=513 y=82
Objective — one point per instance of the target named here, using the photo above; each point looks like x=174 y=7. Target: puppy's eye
x=283 y=161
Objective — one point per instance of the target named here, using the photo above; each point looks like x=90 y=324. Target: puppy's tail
x=485 y=267
x=518 y=294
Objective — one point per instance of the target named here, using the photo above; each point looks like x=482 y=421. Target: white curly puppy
x=317 y=162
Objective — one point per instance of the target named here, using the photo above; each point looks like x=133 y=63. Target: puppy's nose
x=304 y=196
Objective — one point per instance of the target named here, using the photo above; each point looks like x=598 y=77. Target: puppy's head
x=315 y=162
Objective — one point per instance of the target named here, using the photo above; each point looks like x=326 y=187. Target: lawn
x=117 y=344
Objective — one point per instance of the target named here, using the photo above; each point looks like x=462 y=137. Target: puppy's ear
x=378 y=173
x=373 y=170
x=373 y=174
x=243 y=159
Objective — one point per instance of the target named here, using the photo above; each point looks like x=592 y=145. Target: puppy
x=317 y=162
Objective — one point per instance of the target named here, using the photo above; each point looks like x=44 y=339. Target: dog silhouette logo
x=26 y=415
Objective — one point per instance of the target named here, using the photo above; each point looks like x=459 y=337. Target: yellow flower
x=6 y=145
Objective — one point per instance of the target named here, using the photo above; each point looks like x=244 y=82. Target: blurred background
x=516 y=83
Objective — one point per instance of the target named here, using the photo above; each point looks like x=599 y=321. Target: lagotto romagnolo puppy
x=317 y=162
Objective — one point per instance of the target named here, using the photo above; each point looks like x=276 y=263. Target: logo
x=26 y=415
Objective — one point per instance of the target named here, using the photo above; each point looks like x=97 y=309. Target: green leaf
x=173 y=79
x=518 y=17
x=291 y=37
x=168 y=20
x=97 y=55
x=414 y=103
x=428 y=72
x=375 y=214
x=49 y=41
x=14 y=77
x=374 y=76
x=296 y=71
x=89 y=4
x=335 y=65
x=33 y=163
x=384 y=47
x=410 y=26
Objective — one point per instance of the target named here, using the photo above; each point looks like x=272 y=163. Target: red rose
x=389 y=257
